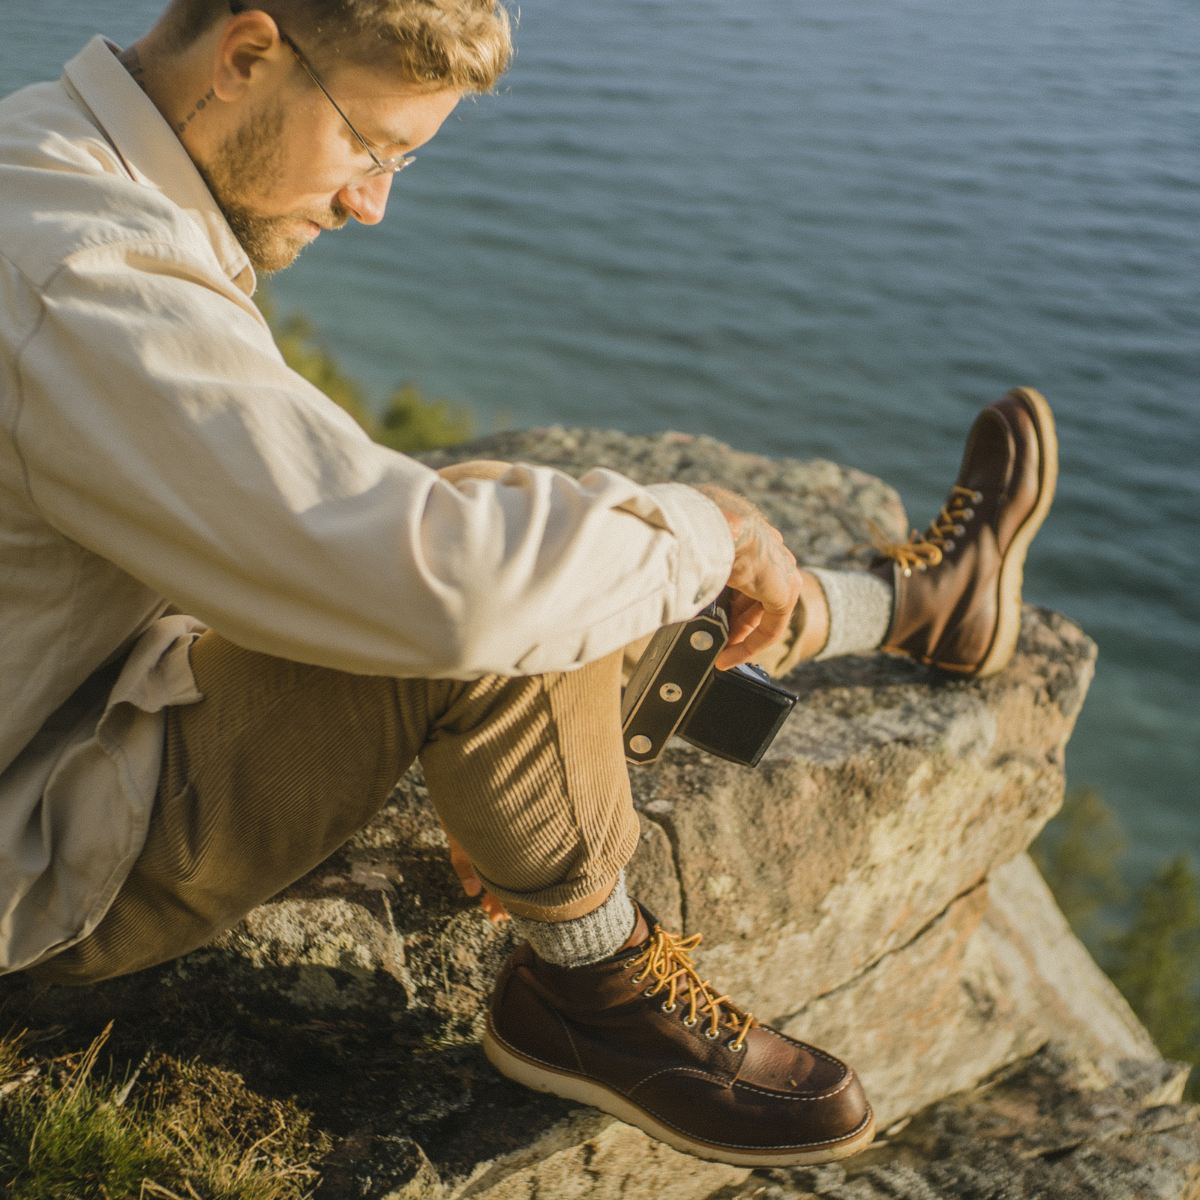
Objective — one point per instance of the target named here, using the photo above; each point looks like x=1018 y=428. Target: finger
x=771 y=622
x=746 y=625
x=739 y=603
x=746 y=635
x=465 y=870
x=494 y=909
x=744 y=652
x=770 y=630
x=743 y=612
x=738 y=649
x=731 y=656
x=774 y=601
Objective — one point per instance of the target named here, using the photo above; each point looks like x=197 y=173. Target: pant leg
x=540 y=797
x=281 y=762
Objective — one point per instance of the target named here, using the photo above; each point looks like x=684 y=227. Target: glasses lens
x=392 y=166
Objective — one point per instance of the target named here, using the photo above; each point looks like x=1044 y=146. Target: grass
x=171 y=1131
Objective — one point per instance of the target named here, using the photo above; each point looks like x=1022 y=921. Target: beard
x=251 y=155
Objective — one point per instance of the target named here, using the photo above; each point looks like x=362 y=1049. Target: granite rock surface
x=866 y=888
x=1046 y=1128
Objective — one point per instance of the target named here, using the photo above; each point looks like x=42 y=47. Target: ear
x=249 y=49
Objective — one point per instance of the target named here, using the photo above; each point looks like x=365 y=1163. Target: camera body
x=675 y=691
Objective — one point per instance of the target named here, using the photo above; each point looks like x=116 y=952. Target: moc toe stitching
x=815 y=1051
x=695 y=1072
x=814 y=1098
x=791 y=1144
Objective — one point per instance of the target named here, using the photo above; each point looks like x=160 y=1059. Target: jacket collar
x=150 y=151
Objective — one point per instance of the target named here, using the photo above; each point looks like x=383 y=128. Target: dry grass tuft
x=171 y=1131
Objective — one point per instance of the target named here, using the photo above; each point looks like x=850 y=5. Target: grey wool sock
x=585 y=939
x=860 y=611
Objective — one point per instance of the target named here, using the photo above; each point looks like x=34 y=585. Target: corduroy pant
x=282 y=762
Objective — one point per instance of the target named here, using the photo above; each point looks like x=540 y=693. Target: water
x=832 y=231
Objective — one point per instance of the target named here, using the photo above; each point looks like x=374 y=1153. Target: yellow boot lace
x=667 y=961
x=923 y=551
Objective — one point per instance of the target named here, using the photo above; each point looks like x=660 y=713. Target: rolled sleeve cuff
x=705 y=544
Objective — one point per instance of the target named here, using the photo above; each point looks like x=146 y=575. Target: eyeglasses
x=383 y=166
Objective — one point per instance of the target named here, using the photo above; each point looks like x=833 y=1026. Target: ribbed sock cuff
x=860 y=611
x=586 y=939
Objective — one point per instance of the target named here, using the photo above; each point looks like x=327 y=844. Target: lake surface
x=832 y=231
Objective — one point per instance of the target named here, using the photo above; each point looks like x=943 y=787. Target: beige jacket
x=157 y=457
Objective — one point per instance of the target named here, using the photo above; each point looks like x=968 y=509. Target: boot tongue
x=641 y=929
x=990 y=445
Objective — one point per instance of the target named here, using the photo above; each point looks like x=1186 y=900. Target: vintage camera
x=675 y=691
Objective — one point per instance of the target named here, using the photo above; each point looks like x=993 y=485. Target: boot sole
x=511 y=1063
x=1012 y=568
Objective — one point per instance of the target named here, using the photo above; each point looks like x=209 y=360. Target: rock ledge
x=866 y=887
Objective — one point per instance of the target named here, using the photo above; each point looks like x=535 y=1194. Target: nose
x=366 y=199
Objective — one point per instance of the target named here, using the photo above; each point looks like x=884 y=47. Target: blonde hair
x=465 y=45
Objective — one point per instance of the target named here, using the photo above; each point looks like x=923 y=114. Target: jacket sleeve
x=161 y=429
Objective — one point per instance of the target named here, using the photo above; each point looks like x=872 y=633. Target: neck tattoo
x=197 y=109
x=131 y=60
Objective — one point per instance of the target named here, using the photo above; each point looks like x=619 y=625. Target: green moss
x=409 y=421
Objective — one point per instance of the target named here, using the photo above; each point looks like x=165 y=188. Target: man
x=231 y=621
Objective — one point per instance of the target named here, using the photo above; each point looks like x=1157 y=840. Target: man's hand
x=764 y=578
x=493 y=909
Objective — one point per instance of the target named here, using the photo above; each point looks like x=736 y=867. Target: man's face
x=291 y=167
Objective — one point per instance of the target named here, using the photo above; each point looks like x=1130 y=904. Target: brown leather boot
x=958 y=586
x=643 y=1037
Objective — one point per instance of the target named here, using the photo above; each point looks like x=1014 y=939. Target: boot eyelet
x=637 y=978
x=650 y=992
x=669 y=1008
x=907 y=572
x=922 y=566
x=948 y=545
x=712 y=1037
x=959 y=530
x=968 y=514
x=977 y=497
x=736 y=1046
x=691 y=1022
